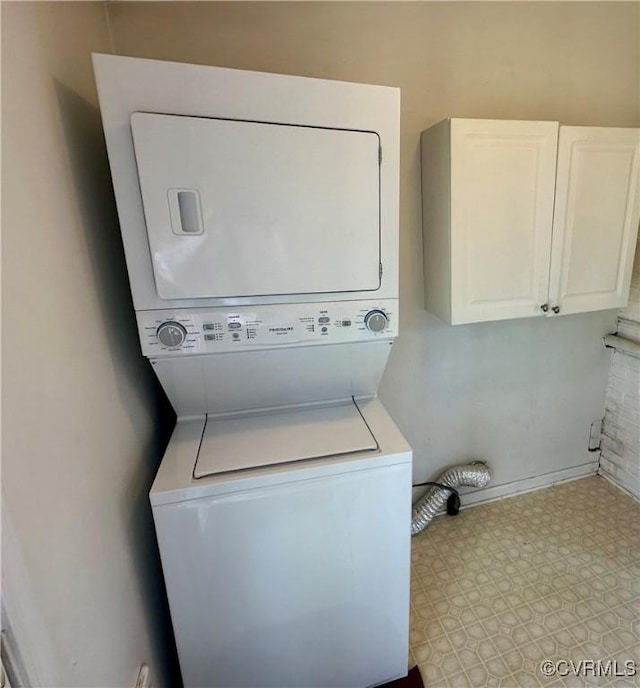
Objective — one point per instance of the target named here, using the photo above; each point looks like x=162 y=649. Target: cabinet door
x=596 y=218
x=502 y=185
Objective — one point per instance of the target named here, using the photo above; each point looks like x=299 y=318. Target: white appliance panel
x=264 y=439
x=230 y=382
x=274 y=587
x=175 y=481
x=236 y=208
x=222 y=330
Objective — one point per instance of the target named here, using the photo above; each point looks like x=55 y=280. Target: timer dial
x=376 y=320
x=171 y=334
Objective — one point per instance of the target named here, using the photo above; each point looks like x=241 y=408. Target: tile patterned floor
x=552 y=575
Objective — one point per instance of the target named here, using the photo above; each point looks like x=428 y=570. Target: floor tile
x=550 y=575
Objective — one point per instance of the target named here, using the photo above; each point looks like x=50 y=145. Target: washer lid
x=231 y=444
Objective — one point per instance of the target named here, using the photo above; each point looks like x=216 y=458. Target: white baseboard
x=538 y=482
x=517 y=487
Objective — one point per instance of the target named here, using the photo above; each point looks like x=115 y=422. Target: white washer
x=295 y=574
x=259 y=216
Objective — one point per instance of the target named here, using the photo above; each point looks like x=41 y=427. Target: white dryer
x=259 y=215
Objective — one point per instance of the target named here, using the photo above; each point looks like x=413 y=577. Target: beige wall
x=573 y=61
x=81 y=581
x=521 y=394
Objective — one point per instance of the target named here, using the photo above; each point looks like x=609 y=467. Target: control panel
x=220 y=330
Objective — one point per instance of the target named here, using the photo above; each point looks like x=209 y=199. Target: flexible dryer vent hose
x=474 y=474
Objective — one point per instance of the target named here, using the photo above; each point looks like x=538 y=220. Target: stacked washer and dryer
x=259 y=215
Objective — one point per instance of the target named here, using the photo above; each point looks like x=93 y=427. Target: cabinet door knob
x=556 y=309
x=545 y=307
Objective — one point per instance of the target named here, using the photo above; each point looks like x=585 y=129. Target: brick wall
x=620 y=454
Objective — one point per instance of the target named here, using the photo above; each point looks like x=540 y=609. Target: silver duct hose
x=475 y=474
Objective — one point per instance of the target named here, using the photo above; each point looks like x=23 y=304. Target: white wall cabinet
x=524 y=219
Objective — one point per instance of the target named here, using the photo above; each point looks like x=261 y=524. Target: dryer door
x=236 y=208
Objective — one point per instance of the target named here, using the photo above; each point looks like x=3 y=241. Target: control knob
x=171 y=334
x=376 y=320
